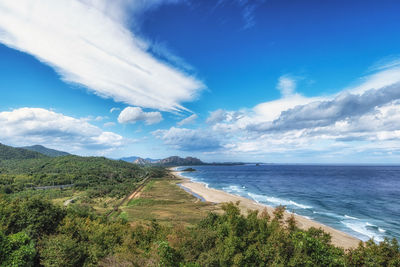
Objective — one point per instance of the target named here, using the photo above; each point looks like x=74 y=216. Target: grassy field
x=163 y=200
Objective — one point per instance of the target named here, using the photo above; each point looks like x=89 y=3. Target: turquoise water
x=363 y=201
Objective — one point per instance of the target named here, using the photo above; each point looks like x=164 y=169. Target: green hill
x=8 y=152
x=46 y=151
x=99 y=175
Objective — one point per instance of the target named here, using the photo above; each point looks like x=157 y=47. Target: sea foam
x=366 y=229
x=234 y=189
x=276 y=201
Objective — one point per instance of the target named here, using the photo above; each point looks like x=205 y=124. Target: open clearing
x=164 y=201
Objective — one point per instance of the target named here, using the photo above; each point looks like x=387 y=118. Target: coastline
x=339 y=238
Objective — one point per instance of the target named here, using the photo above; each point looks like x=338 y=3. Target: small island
x=189 y=170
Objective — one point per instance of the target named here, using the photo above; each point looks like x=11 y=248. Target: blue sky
x=263 y=80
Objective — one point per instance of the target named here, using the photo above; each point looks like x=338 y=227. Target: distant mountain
x=178 y=161
x=46 y=151
x=170 y=161
x=134 y=158
x=141 y=161
x=129 y=159
x=9 y=152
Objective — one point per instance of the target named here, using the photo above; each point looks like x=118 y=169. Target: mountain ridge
x=9 y=152
x=46 y=151
x=170 y=161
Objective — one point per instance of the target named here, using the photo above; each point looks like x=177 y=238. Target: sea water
x=363 y=201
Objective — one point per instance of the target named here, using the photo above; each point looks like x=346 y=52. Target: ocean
x=363 y=201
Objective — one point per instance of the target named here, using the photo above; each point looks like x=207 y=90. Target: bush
x=17 y=250
x=61 y=250
x=35 y=216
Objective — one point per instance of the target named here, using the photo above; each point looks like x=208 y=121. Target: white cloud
x=109 y=60
x=385 y=77
x=286 y=86
x=134 y=114
x=216 y=116
x=360 y=119
x=114 y=109
x=188 y=120
x=221 y=115
x=188 y=139
x=28 y=126
x=100 y=118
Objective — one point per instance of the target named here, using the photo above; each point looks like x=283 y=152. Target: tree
x=61 y=250
x=35 y=216
x=16 y=250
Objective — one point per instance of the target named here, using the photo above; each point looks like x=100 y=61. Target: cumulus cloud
x=386 y=73
x=188 y=120
x=109 y=61
x=134 y=114
x=324 y=113
x=216 y=116
x=27 y=126
x=221 y=115
x=363 y=117
x=188 y=139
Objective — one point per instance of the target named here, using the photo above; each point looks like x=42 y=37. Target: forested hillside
x=100 y=175
x=8 y=152
x=46 y=151
x=21 y=170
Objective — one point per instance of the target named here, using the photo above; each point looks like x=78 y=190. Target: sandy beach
x=339 y=238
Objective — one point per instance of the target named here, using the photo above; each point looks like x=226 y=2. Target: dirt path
x=138 y=190
x=130 y=196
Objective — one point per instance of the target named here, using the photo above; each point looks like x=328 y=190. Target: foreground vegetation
x=161 y=226
x=36 y=232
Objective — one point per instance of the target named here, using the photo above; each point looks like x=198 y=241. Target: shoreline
x=339 y=238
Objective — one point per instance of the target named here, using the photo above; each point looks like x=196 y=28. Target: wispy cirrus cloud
x=188 y=120
x=248 y=8
x=27 y=126
x=114 y=109
x=110 y=60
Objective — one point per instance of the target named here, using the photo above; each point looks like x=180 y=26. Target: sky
x=276 y=81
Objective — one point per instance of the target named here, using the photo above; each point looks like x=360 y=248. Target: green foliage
x=149 y=186
x=168 y=255
x=16 y=250
x=189 y=170
x=8 y=152
x=96 y=175
x=46 y=151
x=232 y=239
x=32 y=215
x=97 y=236
x=156 y=171
x=77 y=237
x=385 y=253
x=62 y=250
x=147 y=202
